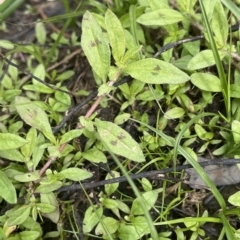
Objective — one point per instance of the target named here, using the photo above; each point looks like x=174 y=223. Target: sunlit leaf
x=95 y=46
x=8 y=191
x=160 y=17
x=116 y=35
x=119 y=141
x=11 y=141
x=155 y=71
x=74 y=174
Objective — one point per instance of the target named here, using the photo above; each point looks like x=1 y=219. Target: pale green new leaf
x=94 y=155
x=160 y=17
x=11 y=141
x=119 y=141
x=8 y=191
x=203 y=59
x=174 y=113
x=111 y=224
x=28 y=148
x=236 y=131
x=95 y=46
x=74 y=174
x=19 y=216
x=68 y=136
x=32 y=114
x=45 y=207
x=91 y=218
x=154 y=71
x=50 y=198
x=48 y=188
x=206 y=82
x=235 y=199
x=116 y=35
x=148 y=198
x=220 y=24
x=28 y=177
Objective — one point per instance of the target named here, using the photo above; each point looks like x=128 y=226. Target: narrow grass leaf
x=206 y=82
x=154 y=71
x=160 y=17
x=116 y=35
x=8 y=191
x=203 y=59
x=95 y=46
x=119 y=141
x=11 y=141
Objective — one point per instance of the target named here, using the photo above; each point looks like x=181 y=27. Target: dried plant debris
x=220 y=175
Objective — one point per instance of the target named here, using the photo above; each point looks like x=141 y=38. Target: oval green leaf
x=8 y=191
x=160 y=17
x=154 y=71
x=206 y=82
x=95 y=46
x=119 y=141
x=116 y=35
x=174 y=113
x=74 y=174
x=11 y=141
x=203 y=59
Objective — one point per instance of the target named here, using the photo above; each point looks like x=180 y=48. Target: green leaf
x=50 y=198
x=95 y=46
x=220 y=24
x=116 y=35
x=28 y=148
x=94 y=155
x=48 y=188
x=235 y=199
x=6 y=44
x=236 y=131
x=174 y=113
x=65 y=75
x=32 y=114
x=148 y=198
x=126 y=230
x=141 y=225
x=235 y=91
x=154 y=71
x=13 y=155
x=29 y=235
x=119 y=141
x=37 y=86
x=28 y=177
x=70 y=135
x=110 y=224
x=74 y=174
x=111 y=188
x=11 y=141
x=19 y=216
x=206 y=82
x=203 y=59
x=45 y=208
x=8 y=191
x=109 y=203
x=40 y=32
x=91 y=218
x=160 y=17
